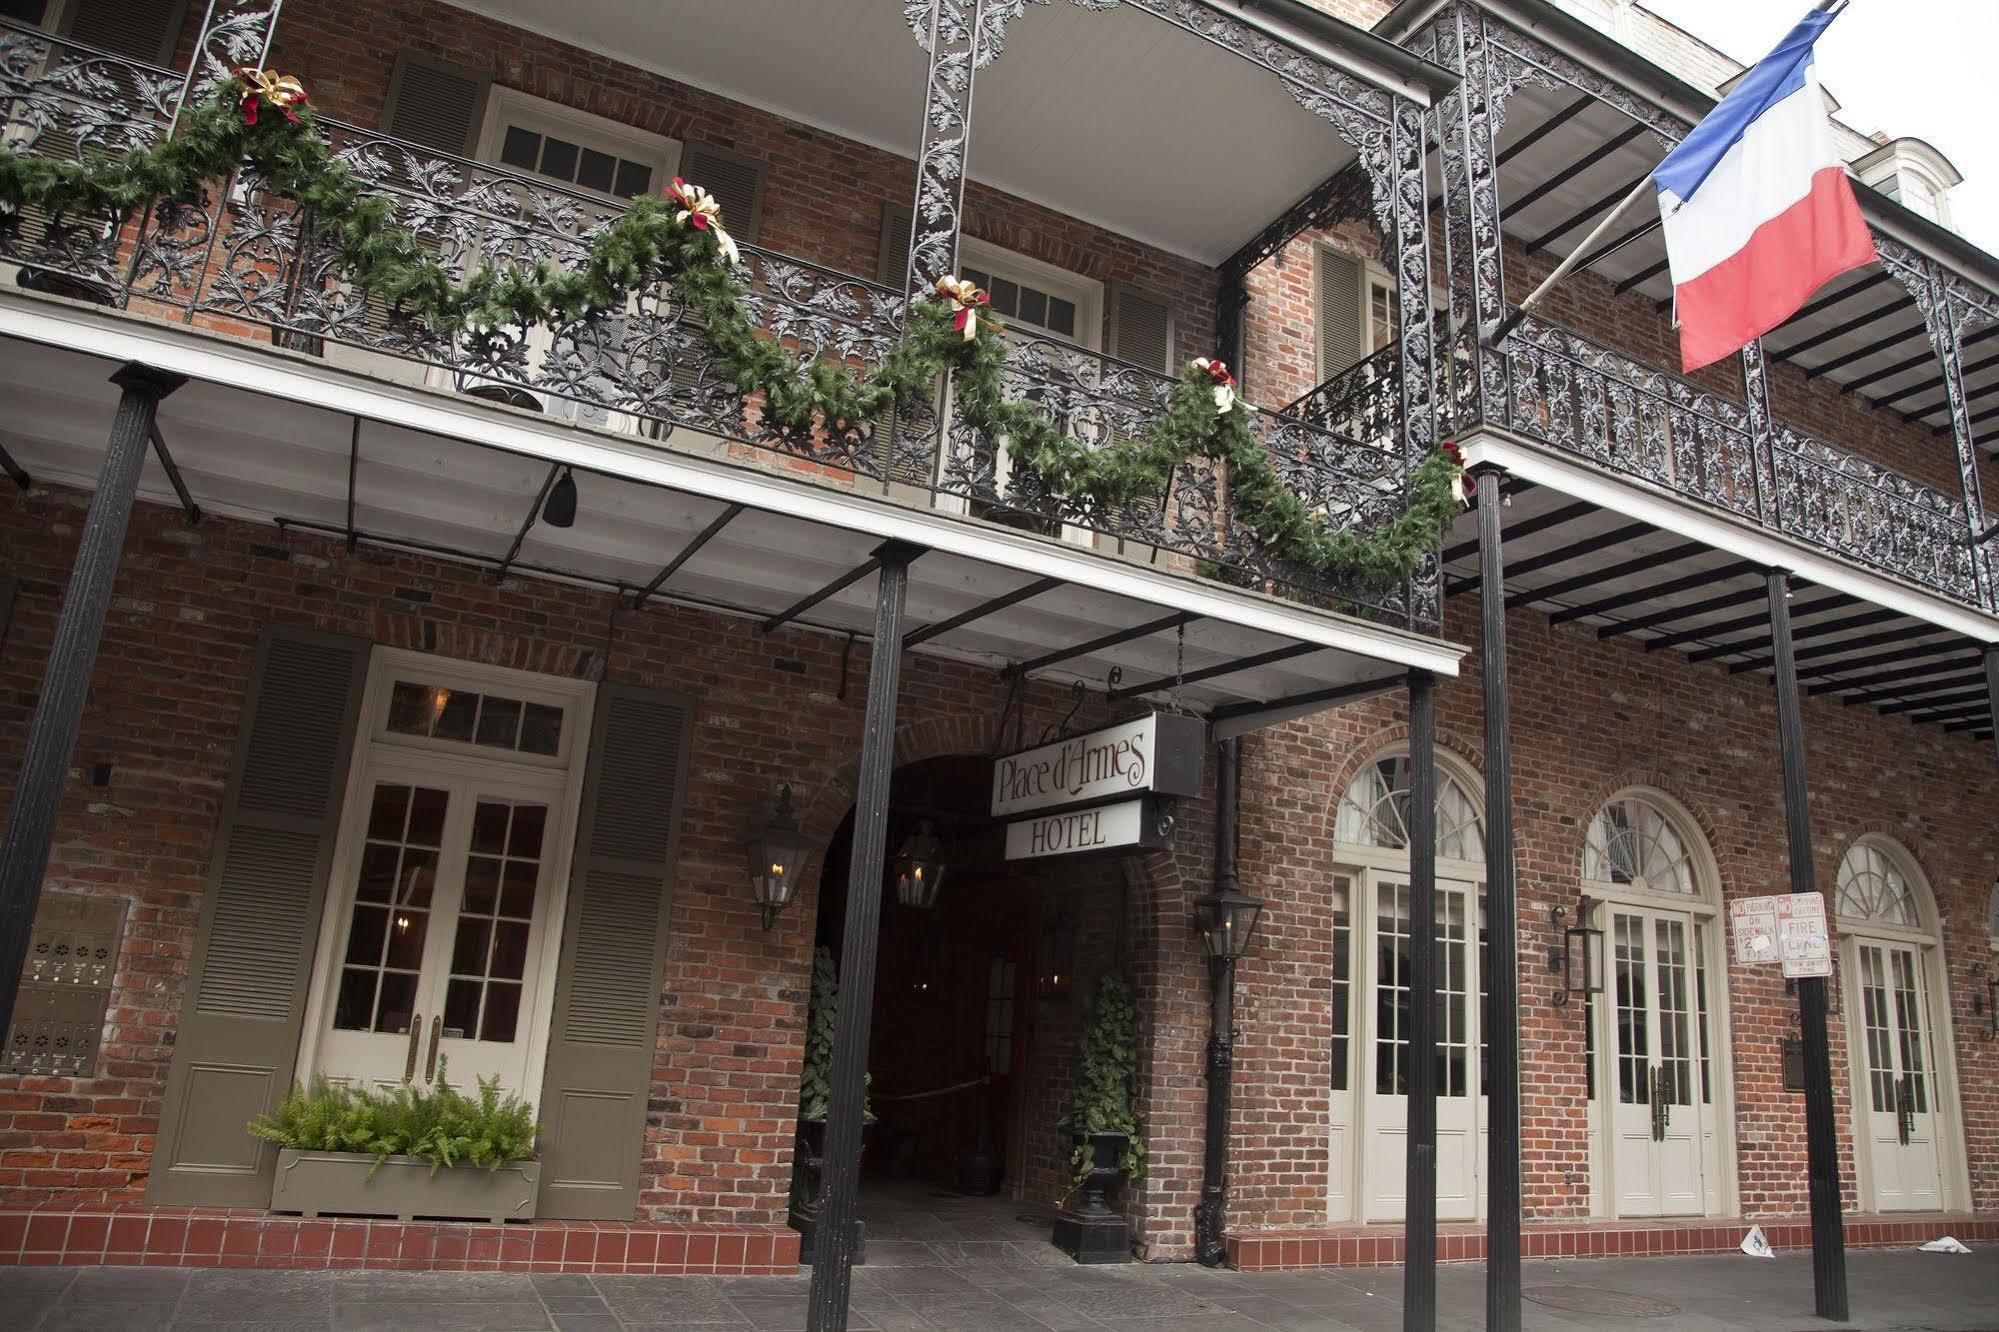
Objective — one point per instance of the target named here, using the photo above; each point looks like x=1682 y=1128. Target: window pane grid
x=492 y=721
x=1874 y=1014
x=1342 y=986
x=390 y=919
x=1670 y=976
x=1374 y=811
x=1391 y=998
x=1633 y=1024
x=1908 y=1029
x=490 y=951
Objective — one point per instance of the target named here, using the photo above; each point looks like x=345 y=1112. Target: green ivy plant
x=440 y=1124
x=1107 y=1080
x=822 y=1016
x=649 y=243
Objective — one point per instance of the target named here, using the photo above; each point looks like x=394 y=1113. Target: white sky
x=1923 y=68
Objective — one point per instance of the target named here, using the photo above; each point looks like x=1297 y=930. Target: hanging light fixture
x=1227 y=920
x=919 y=867
x=559 y=510
x=777 y=855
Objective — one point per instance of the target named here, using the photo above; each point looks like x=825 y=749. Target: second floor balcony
x=1080 y=148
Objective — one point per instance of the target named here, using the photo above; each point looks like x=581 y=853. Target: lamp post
x=777 y=853
x=1227 y=920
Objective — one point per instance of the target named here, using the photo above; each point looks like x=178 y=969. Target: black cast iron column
x=1502 y=1187
x=1419 y=1216
x=1992 y=688
x=31 y=821
x=833 y=1267
x=1821 y=1132
x=1210 y=1246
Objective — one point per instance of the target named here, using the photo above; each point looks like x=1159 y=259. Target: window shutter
x=892 y=262
x=136 y=29
x=434 y=104
x=1141 y=328
x=246 y=988
x=603 y=1032
x=1338 y=300
x=736 y=181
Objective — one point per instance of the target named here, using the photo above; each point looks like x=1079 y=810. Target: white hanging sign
x=1128 y=825
x=1159 y=753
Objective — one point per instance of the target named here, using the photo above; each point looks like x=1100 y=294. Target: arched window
x=1872 y=887
x=1374 y=811
x=1632 y=843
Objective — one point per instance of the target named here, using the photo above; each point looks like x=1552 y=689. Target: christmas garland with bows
x=680 y=238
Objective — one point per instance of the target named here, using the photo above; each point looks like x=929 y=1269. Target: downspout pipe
x=1210 y=1247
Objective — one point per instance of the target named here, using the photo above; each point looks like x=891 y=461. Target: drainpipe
x=1209 y=1213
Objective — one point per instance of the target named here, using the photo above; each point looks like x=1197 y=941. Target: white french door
x=445 y=904
x=1895 y=1097
x=1656 y=1053
x=1384 y=1074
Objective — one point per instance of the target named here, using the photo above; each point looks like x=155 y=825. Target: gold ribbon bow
x=970 y=300
x=1224 y=383
x=262 y=85
x=699 y=210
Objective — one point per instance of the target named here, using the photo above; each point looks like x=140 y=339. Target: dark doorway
x=979 y=1000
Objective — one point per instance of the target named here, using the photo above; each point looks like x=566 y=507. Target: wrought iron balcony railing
x=1571 y=392
x=240 y=258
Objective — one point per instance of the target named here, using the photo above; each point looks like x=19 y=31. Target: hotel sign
x=1129 y=825
x=1157 y=754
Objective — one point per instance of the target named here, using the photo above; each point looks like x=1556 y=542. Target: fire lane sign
x=1789 y=929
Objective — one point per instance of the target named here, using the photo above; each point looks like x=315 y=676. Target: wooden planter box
x=335 y=1183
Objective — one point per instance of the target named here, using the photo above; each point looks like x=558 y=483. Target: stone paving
x=1001 y=1289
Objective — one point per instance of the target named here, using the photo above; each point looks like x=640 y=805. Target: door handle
x=430 y=1060
x=416 y=1039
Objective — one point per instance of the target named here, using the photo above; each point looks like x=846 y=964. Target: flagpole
x=1495 y=333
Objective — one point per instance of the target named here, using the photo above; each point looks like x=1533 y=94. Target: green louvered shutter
x=604 y=1029
x=245 y=999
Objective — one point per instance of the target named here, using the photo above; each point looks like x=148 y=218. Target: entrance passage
x=978 y=997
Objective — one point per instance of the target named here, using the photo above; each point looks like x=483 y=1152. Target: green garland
x=649 y=243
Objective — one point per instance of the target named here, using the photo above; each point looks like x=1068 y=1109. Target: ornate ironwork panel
x=960 y=36
x=234 y=33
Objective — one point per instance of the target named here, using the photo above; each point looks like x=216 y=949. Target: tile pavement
x=991 y=1286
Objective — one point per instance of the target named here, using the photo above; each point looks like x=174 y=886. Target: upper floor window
x=1631 y=843
x=137 y=29
x=1871 y=886
x=1359 y=311
x=1035 y=297
x=1374 y=811
x=574 y=147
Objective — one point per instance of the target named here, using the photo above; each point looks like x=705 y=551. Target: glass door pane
x=388 y=925
x=1670 y=968
x=1634 y=1033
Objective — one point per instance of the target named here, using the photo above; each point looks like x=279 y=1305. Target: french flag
x=1757 y=208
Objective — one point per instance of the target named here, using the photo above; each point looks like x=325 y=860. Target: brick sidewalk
x=1010 y=1290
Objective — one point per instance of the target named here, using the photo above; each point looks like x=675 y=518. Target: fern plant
x=440 y=1124
x=1107 y=1080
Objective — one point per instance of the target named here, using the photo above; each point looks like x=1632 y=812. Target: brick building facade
x=1597 y=718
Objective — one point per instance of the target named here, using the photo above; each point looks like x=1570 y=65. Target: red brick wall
x=1590 y=718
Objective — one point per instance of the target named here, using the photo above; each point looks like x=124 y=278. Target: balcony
x=1573 y=394
x=242 y=263
x=634 y=400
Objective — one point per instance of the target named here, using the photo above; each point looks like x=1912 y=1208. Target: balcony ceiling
x=1593 y=569
x=252 y=455
x=1117 y=118
x=1861 y=332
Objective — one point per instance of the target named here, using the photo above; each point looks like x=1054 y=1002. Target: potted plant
x=815 y=1092
x=404 y=1151
x=1106 y=1131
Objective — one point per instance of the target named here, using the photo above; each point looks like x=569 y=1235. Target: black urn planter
x=808 y=1185
x=1090 y=1231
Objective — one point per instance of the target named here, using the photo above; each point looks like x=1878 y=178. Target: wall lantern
x=919 y=867
x=1578 y=960
x=777 y=859
x=1227 y=920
